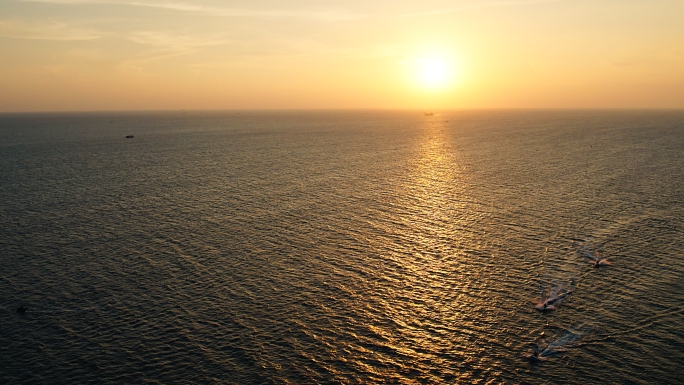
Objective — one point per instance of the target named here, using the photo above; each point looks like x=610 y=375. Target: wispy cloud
x=164 y=45
x=322 y=15
x=169 y=40
x=483 y=4
x=45 y=31
x=319 y=15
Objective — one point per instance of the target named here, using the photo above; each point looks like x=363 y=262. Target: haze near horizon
x=85 y=55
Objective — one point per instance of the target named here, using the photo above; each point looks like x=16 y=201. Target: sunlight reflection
x=449 y=294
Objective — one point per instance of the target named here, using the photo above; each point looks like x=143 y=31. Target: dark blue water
x=342 y=247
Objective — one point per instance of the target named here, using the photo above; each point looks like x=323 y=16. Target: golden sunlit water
x=346 y=247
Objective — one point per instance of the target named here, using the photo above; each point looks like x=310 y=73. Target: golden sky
x=215 y=54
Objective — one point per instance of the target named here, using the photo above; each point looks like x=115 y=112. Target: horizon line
x=369 y=109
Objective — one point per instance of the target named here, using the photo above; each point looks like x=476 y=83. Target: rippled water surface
x=342 y=247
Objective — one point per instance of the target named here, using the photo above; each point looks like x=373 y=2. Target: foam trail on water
x=562 y=342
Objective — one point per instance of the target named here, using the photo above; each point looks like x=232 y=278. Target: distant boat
x=429 y=114
x=129 y=136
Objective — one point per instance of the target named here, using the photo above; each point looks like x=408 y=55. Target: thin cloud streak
x=325 y=15
x=46 y=31
x=166 y=46
x=491 y=4
x=158 y=38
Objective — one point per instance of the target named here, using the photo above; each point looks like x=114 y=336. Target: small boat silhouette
x=429 y=114
x=593 y=257
x=21 y=310
x=534 y=356
x=129 y=136
x=600 y=262
x=552 y=298
x=550 y=304
x=597 y=261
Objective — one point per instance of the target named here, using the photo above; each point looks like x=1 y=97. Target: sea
x=342 y=247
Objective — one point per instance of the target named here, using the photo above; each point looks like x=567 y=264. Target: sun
x=434 y=72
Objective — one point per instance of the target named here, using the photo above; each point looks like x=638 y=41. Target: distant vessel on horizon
x=429 y=114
